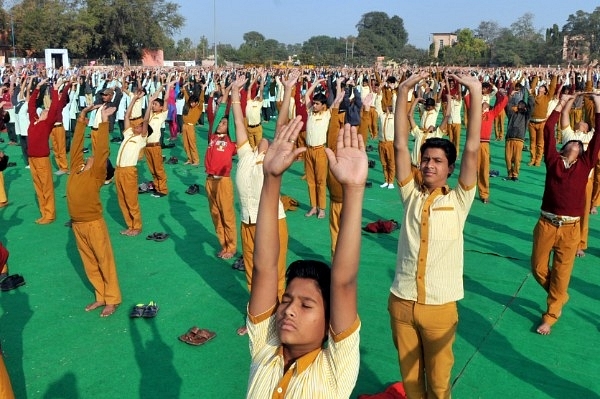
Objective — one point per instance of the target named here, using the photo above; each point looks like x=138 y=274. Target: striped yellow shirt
x=316 y=127
x=249 y=182
x=326 y=373
x=129 y=151
x=429 y=266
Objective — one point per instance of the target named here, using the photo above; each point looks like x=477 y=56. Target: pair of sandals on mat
x=197 y=336
x=157 y=236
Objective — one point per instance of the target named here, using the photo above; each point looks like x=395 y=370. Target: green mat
x=53 y=349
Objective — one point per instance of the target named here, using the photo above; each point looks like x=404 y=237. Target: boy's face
x=434 y=168
x=301 y=315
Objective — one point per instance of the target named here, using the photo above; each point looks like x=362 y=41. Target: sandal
x=158 y=237
x=196 y=336
x=150 y=310
x=137 y=311
x=151 y=236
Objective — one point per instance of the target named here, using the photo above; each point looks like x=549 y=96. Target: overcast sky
x=290 y=22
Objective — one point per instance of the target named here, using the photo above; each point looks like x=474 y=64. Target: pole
x=215 y=29
x=12 y=33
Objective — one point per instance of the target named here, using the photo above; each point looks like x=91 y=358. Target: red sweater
x=62 y=101
x=487 y=120
x=218 y=160
x=38 y=132
x=564 y=191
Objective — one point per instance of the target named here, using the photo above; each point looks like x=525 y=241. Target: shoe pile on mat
x=142 y=310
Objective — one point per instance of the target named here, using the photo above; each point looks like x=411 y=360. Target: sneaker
x=158 y=195
x=60 y=172
x=115 y=140
x=515 y=178
x=384 y=185
x=108 y=181
x=27 y=167
x=391 y=186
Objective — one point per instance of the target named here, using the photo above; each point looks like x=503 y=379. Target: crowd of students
x=325 y=117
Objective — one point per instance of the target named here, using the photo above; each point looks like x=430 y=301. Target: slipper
x=151 y=236
x=150 y=310
x=11 y=282
x=137 y=311
x=239 y=264
x=196 y=336
x=158 y=237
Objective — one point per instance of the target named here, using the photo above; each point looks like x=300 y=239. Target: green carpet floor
x=53 y=349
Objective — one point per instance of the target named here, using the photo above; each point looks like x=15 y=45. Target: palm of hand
x=278 y=158
x=351 y=166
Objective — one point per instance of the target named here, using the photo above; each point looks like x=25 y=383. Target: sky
x=281 y=19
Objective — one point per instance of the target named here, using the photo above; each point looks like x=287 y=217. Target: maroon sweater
x=38 y=132
x=564 y=191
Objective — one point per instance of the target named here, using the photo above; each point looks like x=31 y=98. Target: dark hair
x=446 y=145
x=320 y=97
x=314 y=270
x=579 y=142
x=160 y=101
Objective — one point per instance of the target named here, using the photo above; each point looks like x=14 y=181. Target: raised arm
x=349 y=166
x=288 y=84
x=129 y=109
x=468 y=165
x=78 y=137
x=309 y=92
x=278 y=158
x=565 y=120
x=241 y=135
x=31 y=105
x=448 y=113
x=401 y=126
x=411 y=113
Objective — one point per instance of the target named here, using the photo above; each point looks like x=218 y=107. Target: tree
x=130 y=26
x=185 y=49
x=202 y=47
x=42 y=24
x=96 y=28
x=324 y=50
x=586 y=25
x=467 y=50
x=488 y=31
x=523 y=28
x=506 y=50
x=380 y=35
